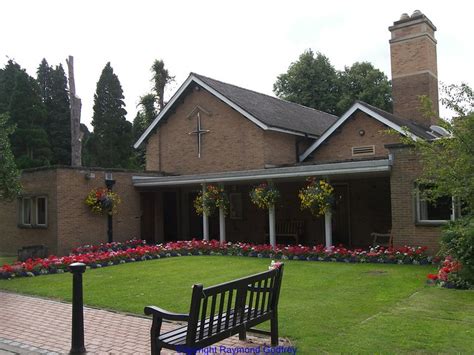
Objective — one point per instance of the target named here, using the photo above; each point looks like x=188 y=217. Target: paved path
x=37 y=325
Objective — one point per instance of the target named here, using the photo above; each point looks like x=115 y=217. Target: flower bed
x=136 y=250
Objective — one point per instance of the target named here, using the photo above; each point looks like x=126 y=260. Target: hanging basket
x=211 y=200
x=103 y=201
x=264 y=195
x=317 y=196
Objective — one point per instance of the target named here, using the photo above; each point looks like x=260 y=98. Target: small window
x=33 y=211
x=439 y=211
x=26 y=205
x=41 y=211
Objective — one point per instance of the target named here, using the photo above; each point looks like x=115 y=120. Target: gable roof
x=267 y=112
x=402 y=125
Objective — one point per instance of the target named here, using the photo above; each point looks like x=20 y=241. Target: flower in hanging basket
x=102 y=200
x=317 y=196
x=264 y=195
x=211 y=200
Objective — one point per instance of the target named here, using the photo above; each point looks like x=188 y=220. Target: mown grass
x=324 y=307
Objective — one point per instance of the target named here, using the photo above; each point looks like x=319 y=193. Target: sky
x=245 y=43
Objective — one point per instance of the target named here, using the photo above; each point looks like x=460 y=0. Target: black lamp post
x=109 y=183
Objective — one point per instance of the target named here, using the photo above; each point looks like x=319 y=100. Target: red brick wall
x=405 y=170
x=233 y=143
x=13 y=237
x=77 y=225
x=339 y=145
x=70 y=222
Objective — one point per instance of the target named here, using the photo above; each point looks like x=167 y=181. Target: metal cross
x=199 y=132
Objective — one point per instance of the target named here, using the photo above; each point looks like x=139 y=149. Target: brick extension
x=37 y=325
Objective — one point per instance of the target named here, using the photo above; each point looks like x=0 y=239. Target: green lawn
x=324 y=307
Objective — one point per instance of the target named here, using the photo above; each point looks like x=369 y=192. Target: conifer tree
x=9 y=174
x=53 y=88
x=20 y=97
x=110 y=145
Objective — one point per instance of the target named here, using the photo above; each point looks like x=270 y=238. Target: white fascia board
x=230 y=103
x=276 y=129
x=344 y=117
x=236 y=107
x=163 y=112
x=328 y=169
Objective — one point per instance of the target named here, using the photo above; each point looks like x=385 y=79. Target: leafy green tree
x=448 y=162
x=9 y=175
x=311 y=81
x=54 y=94
x=448 y=168
x=110 y=144
x=160 y=79
x=362 y=81
x=22 y=100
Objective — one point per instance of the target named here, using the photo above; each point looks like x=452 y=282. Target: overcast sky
x=246 y=43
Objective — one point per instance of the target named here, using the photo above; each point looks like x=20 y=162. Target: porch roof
x=331 y=169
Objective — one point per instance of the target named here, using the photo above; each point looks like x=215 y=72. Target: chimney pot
x=404 y=16
x=416 y=13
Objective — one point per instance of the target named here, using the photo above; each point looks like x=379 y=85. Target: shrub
x=458 y=243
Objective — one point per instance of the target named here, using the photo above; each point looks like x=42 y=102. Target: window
x=435 y=212
x=26 y=211
x=41 y=211
x=33 y=211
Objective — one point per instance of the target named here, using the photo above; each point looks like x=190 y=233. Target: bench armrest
x=161 y=313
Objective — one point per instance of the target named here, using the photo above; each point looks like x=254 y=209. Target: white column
x=205 y=219
x=221 y=225
x=328 y=228
x=271 y=225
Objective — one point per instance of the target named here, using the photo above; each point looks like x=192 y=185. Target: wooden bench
x=286 y=230
x=219 y=312
x=382 y=239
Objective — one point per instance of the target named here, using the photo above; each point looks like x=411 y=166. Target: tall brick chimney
x=414 y=66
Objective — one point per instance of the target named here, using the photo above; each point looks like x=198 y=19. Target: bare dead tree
x=75 y=104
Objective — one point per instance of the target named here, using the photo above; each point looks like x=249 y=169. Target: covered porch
x=362 y=206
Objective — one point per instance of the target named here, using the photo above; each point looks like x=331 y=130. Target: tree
x=363 y=82
x=448 y=162
x=22 y=100
x=7 y=83
x=110 y=144
x=9 y=175
x=54 y=94
x=311 y=81
x=160 y=79
x=448 y=169
x=143 y=119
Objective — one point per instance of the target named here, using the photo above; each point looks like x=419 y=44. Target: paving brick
x=44 y=326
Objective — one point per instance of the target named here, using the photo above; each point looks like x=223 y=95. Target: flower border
x=96 y=256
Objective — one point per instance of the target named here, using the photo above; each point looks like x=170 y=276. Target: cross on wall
x=199 y=132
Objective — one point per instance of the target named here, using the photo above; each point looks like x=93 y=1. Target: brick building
x=212 y=132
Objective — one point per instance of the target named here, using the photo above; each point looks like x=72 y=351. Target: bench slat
x=178 y=336
x=211 y=316
x=203 y=318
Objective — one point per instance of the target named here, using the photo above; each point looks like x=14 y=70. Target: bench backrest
x=227 y=306
x=289 y=227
